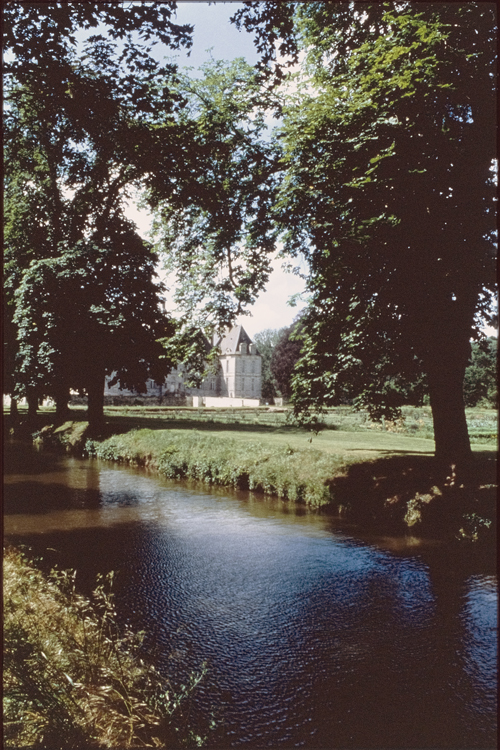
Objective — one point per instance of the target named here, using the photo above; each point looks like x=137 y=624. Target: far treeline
x=280 y=351
x=379 y=176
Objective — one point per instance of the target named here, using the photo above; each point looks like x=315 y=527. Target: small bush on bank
x=71 y=679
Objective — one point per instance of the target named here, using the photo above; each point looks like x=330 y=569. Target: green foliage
x=285 y=357
x=388 y=149
x=191 y=350
x=380 y=176
x=273 y=24
x=79 y=137
x=91 y=310
x=481 y=375
x=72 y=678
x=266 y=342
x=377 y=378
x=37 y=33
x=213 y=223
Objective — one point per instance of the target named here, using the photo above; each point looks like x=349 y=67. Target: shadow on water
x=56 y=496
x=20 y=458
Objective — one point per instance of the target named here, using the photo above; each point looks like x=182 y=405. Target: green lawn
x=348 y=432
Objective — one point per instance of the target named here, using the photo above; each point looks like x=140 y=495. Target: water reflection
x=479 y=649
x=315 y=636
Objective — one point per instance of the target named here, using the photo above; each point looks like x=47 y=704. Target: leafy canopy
x=388 y=155
x=80 y=136
x=213 y=224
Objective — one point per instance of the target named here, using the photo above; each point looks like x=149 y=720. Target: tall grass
x=72 y=679
x=274 y=469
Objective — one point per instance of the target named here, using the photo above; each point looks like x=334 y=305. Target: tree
x=37 y=33
x=213 y=223
x=286 y=354
x=389 y=148
x=481 y=374
x=79 y=135
x=97 y=312
x=266 y=342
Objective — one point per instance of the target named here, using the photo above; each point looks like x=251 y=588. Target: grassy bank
x=380 y=474
x=382 y=480
x=71 y=679
x=266 y=465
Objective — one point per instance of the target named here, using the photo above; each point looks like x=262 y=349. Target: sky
x=213 y=31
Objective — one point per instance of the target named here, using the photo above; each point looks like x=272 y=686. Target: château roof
x=230 y=343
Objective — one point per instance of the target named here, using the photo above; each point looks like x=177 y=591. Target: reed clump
x=72 y=678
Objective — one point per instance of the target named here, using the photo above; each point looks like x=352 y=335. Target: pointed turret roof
x=230 y=343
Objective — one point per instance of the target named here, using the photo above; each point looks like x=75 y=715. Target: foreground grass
x=71 y=680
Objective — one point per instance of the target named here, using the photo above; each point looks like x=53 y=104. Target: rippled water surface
x=315 y=635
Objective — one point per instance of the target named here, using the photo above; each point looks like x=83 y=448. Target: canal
x=315 y=633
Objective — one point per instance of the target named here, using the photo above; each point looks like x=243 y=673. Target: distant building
x=237 y=381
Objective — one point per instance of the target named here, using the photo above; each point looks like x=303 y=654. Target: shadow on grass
x=391 y=451
x=120 y=424
x=411 y=490
x=116 y=424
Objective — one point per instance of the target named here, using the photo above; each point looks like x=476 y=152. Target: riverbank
x=290 y=608
x=71 y=679
x=395 y=492
x=383 y=476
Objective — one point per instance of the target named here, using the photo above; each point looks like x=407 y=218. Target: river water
x=315 y=634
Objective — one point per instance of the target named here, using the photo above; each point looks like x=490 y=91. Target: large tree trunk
x=32 y=399
x=61 y=399
x=446 y=373
x=14 y=412
x=95 y=391
x=450 y=426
